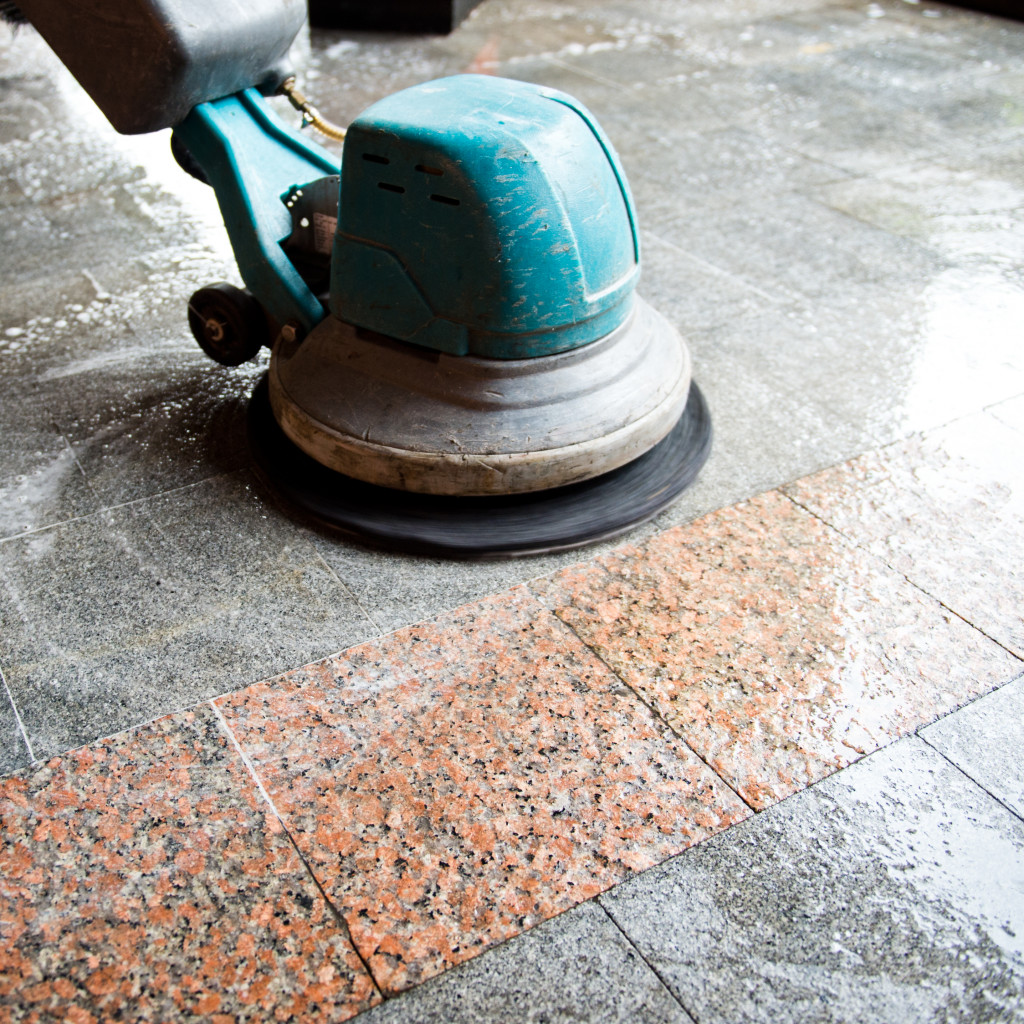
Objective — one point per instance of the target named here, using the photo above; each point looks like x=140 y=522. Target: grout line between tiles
x=960 y=616
x=348 y=590
x=775 y=300
x=71 y=452
x=993 y=411
x=967 y=775
x=650 y=707
x=338 y=916
x=17 y=716
x=917 y=586
x=639 y=952
x=583 y=72
x=111 y=508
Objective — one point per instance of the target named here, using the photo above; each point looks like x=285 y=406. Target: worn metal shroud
x=396 y=415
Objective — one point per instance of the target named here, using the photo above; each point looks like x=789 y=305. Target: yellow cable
x=310 y=115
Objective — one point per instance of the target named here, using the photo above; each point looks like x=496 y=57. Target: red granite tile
x=946 y=509
x=459 y=781
x=776 y=649
x=141 y=879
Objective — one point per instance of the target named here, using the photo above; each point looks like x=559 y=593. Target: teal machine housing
x=486 y=217
x=476 y=216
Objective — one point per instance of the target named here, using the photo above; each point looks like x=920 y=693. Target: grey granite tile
x=117 y=233
x=999 y=159
x=628 y=116
x=680 y=170
x=763 y=435
x=892 y=891
x=575 y=967
x=129 y=614
x=37 y=280
x=793 y=248
x=14 y=751
x=932 y=81
x=985 y=740
x=695 y=295
x=807 y=107
x=398 y=589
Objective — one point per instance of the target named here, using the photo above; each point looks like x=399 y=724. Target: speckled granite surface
x=831 y=203
x=464 y=779
x=144 y=879
x=455 y=783
x=777 y=649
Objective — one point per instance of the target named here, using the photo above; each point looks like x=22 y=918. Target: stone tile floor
x=761 y=760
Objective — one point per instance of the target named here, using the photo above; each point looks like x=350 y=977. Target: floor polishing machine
x=460 y=362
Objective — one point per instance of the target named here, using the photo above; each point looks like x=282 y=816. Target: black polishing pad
x=477 y=527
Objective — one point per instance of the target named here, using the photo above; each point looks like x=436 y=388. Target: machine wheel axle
x=228 y=323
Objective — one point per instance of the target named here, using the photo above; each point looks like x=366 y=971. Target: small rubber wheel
x=228 y=323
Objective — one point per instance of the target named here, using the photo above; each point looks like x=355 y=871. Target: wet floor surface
x=759 y=760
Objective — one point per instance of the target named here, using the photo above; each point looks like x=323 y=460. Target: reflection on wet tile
x=890 y=892
x=462 y=780
x=963 y=348
x=143 y=878
x=776 y=649
x=136 y=612
x=985 y=740
x=946 y=509
x=922 y=368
